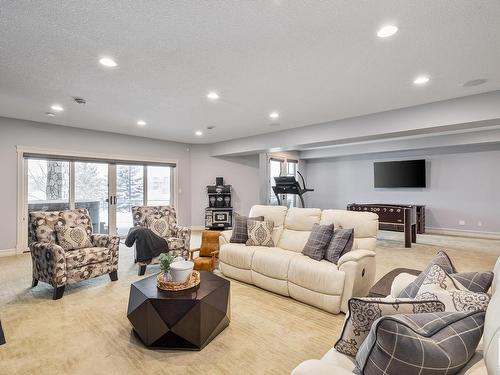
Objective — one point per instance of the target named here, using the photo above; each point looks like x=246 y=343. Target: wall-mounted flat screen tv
x=399 y=174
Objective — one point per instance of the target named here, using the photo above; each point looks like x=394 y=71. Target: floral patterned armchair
x=58 y=267
x=179 y=241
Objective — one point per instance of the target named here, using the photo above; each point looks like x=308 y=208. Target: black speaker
x=219 y=181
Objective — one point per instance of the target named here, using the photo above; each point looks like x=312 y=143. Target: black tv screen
x=399 y=174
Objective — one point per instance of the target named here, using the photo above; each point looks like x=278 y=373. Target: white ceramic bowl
x=181 y=271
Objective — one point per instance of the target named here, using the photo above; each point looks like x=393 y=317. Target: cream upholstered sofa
x=484 y=362
x=284 y=270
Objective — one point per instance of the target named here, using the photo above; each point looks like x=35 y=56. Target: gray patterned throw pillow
x=442 y=260
x=431 y=343
x=340 y=244
x=72 y=238
x=240 y=228
x=474 y=281
x=260 y=233
x=441 y=286
x=363 y=312
x=319 y=239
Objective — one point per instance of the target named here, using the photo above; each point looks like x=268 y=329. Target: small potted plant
x=165 y=261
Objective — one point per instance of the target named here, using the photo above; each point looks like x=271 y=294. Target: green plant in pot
x=165 y=262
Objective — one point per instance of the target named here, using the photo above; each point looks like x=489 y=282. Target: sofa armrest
x=225 y=237
x=400 y=282
x=355 y=256
x=359 y=271
x=49 y=263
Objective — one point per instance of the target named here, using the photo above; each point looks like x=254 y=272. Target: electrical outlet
x=479 y=223
x=461 y=222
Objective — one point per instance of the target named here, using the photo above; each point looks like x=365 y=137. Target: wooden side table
x=382 y=288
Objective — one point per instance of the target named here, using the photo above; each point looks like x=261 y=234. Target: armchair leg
x=58 y=292
x=34 y=282
x=142 y=269
x=113 y=275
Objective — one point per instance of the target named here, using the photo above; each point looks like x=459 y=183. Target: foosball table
x=396 y=217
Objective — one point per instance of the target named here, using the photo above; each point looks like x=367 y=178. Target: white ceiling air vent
x=79 y=100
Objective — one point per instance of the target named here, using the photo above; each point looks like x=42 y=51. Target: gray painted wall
x=26 y=133
x=461 y=186
x=241 y=172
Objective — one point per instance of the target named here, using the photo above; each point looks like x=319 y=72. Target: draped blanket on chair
x=147 y=244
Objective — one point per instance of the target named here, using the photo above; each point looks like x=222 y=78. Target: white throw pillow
x=438 y=285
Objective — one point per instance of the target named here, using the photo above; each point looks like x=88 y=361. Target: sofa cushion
x=260 y=233
x=72 y=237
x=440 y=259
x=318 y=241
x=322 y=277
x=237 y=255
x=363 y=312
x=340 y=244
x=302 y=218
x=240 y=228
x=293 y=240
x=365 y=224
x=88 y=255
x=429 y=343
x=272 y=262
x=439 y=285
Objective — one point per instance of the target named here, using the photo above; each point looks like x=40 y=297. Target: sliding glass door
x=129 y=192
x=92 y=192
x=107 y=190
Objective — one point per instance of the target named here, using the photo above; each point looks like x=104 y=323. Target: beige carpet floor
x=87 y=332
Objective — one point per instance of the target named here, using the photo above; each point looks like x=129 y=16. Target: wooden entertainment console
x=407 y=218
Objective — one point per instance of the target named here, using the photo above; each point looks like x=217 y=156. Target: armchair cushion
x=72 y=238
x=89 y=255
x=43 y=222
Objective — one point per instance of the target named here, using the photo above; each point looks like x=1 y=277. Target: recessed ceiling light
x=274 y=115
x=475 y=82
x=108 y=61
x=199 y=133
x=421 y=80
x=57 y=108
x=50 y=114
x=386 y=31
x=141 y=123
x=212 y=95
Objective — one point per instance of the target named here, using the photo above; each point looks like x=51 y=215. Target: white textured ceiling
x=313 y=61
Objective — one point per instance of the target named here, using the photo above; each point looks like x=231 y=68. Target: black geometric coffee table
x=185 y=320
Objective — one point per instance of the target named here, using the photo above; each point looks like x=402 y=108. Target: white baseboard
x=7 y=252
x=463 y=233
